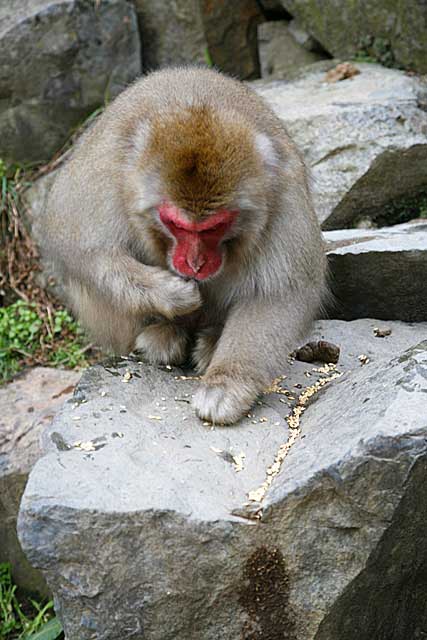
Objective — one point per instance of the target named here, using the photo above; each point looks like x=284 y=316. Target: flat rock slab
x=149 y=524
x=379 y=273
x=365 y=138
x=27 y=406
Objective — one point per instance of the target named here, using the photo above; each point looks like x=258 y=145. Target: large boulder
x=280 y=53
x=60 y=60
x=27 y=406
x=393 y=32
x=365 y=138
x=172 y=32
x=232 y=36
x=379 y=273
x=148 y=523
x=273 y=8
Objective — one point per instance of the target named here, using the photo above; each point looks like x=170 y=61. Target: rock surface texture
x=365 y=138
x=393 y=32
x=149 y=524
x=172 y=32
x=379 y=273
x=27 y=406
x=232 y=36
x=60 y=60
x=280 y=54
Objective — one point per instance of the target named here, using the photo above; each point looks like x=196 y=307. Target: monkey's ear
x=265 y=148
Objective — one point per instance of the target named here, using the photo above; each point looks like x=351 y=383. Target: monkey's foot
x=205 y=347
x=224 y=402
x=163 y=343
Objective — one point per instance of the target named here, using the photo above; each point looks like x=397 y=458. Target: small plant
x=24 y=620
x=376 y=50
x=30 y=334
x=34 y=327
x=208 y=58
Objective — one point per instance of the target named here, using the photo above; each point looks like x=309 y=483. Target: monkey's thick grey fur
x=101 y=229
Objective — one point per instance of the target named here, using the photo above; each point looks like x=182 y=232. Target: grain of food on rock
x=382 y=332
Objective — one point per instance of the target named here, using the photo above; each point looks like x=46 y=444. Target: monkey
x=183 y=225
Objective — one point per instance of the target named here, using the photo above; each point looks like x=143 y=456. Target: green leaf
x=208 y=58
x=49 y=631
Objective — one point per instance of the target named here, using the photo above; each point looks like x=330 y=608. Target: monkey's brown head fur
x=202 y=158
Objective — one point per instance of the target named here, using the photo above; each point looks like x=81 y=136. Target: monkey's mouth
x=194 y=259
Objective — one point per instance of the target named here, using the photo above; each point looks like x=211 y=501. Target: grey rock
x=302 y=37
x=273 y=6
x=27 y=406
x=60 y=60
x=143 y=528
x=379 y=273
x=392 y=32
x=365 y=138
x=232 y=36
x=171 y=32
x=279 y=52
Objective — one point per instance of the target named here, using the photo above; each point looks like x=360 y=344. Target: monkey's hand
x=223 y=399
x=249 y=354
x=170 y=295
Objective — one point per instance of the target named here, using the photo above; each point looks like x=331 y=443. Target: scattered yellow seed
x=238 y=461
x=84 y=446
x=155 y=417
x=87 y=446
x=293 y=420
x=256 y=495
x=216 y=450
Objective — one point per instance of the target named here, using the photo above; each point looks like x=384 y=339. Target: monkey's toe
x=223 y=403
x=163 y=343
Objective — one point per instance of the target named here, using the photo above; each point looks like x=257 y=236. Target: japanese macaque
x=183 y=227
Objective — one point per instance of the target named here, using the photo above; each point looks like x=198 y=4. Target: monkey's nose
x=195 y=257
x=196 y=262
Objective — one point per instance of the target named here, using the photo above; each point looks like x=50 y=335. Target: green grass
x=24 y=619
x=31 y=335
x=34 y=326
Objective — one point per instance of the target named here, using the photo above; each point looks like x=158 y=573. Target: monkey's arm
x=254 y=345
x=130 y=286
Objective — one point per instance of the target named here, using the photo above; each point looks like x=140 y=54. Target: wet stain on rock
x=265 y=597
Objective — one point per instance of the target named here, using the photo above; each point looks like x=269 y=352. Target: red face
x=197 y=250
